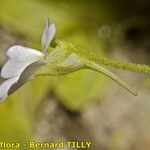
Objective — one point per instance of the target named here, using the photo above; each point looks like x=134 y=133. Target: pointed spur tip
x=135 y=94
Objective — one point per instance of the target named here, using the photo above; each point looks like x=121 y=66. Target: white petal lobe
x=19 y=58
x=48 y=35
x=23 y=53
x=52 y=31
x=12 y=68
x=5 y=86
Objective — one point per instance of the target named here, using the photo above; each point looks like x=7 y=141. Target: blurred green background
x=83 y=105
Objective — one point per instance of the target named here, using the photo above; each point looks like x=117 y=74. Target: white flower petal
x=19 y=58
x=5 y=86
x=48 y=35
x=11 y=85
x=22 y=53
x=52 y=32
x=28 y=74
x=12 y=68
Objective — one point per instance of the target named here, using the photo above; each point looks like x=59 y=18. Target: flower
x=26 y=63
x=22 y=61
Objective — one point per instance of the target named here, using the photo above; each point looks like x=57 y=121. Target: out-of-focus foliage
x=17 y=114
x=27 y=18
x=91 y=24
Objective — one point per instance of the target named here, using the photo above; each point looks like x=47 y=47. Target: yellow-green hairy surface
x=67 y=57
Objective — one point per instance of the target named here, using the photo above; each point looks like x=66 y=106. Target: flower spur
x=25 y=63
